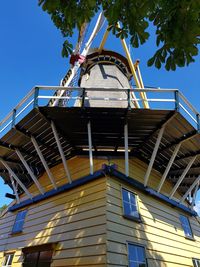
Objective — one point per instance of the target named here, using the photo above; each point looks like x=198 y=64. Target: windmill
x=77 y=58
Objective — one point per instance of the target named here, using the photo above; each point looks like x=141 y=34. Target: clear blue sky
x=30 y=54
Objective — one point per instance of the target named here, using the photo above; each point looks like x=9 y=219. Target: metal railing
x=157 y=98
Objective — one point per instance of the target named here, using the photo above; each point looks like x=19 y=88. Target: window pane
x=125 y=195
x=134 y=211
x=132 y=199
x=19 y=221
x=132 y=253
x=186 y=226
x=127 y=209
x=5 y=260
x=10 y=259
x=140 y=253
x=129 y=204
x=133 y=264
x=136 y=256
x=196 y=262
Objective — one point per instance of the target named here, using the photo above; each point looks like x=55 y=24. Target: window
x=40 y=256
x=136 y=256
x=130 y=205
x=186 y=226
x=8 y=260
x=196 y=262
x=19 y=222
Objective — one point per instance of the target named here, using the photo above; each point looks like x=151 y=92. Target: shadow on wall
x=75 y=220
x=159 y=231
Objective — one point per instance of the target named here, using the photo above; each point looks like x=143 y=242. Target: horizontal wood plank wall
x=78 y=167
x=160 y=231
x=75 y=220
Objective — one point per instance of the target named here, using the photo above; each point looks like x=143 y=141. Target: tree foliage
x=3 y=208
x=177 y=24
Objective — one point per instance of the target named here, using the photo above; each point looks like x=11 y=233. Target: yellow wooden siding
x=79 y=222
x=78 y=167
x=76 y=220
x=160 y=231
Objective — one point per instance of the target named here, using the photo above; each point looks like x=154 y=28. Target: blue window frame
x=19 y=222
x=186 y=226
x=130 y=206
x=136 y=256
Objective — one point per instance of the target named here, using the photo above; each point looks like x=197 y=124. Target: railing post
x=35 y=103
x=176 y=96
x=129 y=98
x=13 y=118
x=83 y=98
x=198 y=122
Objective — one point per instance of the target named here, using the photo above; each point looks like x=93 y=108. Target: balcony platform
x=107 y=132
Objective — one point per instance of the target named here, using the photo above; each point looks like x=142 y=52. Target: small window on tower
x=19 y=222
x=186 y=226
x=130 y=206
x=8 y=260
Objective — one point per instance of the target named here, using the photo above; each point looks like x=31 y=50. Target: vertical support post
x=13 y=118
x=35 y=103
x=129 y=98
x=126 y=149
x=83 y=99
x=90 y=148
x=176 y=96
x=198 y=122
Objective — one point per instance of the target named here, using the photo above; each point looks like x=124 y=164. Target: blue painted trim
x=61 y=189
x=149 y=191
x=110 y=170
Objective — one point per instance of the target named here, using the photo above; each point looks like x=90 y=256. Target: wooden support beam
x=34 y=178
x=137 y=81
x=50 y=175
x=168 y=167
x=14 y=189
x=146 y=178
x=195 y=194
x=182 y=176
x=126 y=149
x=195 y=183
x=90 y=148
x=39 y=141
x=16 y=178
x=61 y=151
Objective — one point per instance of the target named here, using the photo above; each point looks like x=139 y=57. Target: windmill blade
x=81 y=37
x=72 y=71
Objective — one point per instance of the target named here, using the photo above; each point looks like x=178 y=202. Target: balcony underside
x=107 y=129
